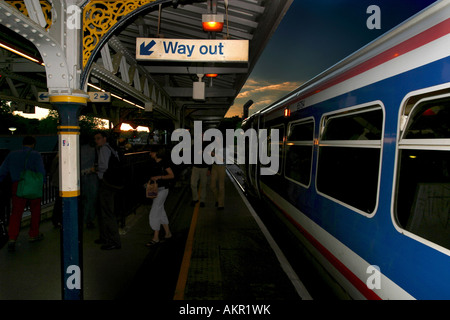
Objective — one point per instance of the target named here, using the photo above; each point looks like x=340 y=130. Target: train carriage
x=364 y=172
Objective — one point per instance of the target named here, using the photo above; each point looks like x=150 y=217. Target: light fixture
x=212 y=22
x=12 y=129
x=211 y=75
x=20 y=53
x=287 y=112
x=24 y=55
x=199 y=88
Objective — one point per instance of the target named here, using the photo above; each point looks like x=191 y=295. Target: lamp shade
x=212 y=22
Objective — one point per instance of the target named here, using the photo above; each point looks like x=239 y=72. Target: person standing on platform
x=14 y=164
x=218 y=178
x=161 y=173
x=109 y=229
x=89 y=181
x=200 y=172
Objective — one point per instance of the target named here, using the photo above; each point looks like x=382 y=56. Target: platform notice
x=192 y=50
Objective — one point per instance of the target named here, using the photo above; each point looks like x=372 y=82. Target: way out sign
x=192 y=50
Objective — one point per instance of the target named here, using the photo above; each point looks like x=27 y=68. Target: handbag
x=152 y=189
x=30 y=183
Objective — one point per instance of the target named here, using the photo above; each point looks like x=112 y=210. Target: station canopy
x=152 y=92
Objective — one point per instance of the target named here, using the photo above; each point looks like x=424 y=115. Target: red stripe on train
x=354 y=280
x=434 y=33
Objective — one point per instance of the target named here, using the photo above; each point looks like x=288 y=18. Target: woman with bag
x=161 y=174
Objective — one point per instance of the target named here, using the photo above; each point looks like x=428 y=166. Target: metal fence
x=50 y=192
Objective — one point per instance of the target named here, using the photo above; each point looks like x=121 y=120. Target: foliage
x=48 y=125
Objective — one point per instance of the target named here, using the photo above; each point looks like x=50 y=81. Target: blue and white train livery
x=364 y=171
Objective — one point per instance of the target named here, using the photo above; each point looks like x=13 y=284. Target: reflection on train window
x=349 y=158
x=423 y=187
x=356 y=126
x=299 y=150
x=430 y=121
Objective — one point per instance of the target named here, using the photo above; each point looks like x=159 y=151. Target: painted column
x=69 y=189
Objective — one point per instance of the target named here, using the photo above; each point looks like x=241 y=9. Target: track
x=300 y=262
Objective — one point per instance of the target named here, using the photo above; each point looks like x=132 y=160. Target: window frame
x=366 y=107
x=300 y=143
x=281 y=150
x=415 y=144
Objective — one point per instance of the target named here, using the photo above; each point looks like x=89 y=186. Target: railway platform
x=213 y=255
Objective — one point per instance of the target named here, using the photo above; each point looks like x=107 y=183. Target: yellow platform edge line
x=185 y=264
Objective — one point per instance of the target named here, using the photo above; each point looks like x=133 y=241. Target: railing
x=50 y=192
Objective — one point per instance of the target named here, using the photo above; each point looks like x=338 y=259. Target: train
x=364 y=153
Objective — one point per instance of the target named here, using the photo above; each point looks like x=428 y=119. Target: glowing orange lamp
x=211 y=75
x=212 y=22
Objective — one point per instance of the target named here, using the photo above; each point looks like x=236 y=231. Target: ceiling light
x=20 y=53
x=212 y=22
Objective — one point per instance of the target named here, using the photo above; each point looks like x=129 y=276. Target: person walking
x=162 y=173
x=14 y=164
x=109 y=229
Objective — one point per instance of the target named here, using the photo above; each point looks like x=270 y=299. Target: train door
x=253 y=169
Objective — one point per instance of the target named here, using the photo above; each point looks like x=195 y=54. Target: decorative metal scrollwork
x=100 y=16
x=45 y=5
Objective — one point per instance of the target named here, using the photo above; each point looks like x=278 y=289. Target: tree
x=49 y=124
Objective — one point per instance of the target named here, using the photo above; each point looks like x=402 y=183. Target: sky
x=313 y=36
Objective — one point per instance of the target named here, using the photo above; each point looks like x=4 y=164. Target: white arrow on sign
x=192 y=50
x=99 y=96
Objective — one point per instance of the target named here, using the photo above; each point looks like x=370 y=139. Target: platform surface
x=230 y=259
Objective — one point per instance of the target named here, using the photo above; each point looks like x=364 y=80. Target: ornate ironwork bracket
x=101 y=16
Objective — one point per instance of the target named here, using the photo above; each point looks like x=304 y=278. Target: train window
x=423 y=185
x=299 y=151
x=430 y=121
x=356 y=126
x=349 y=158
x=301 y=131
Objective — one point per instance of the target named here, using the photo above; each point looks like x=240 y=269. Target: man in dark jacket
x=13 y=165
x=109 y=229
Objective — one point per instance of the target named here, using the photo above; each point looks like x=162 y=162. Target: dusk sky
x=313 y=36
